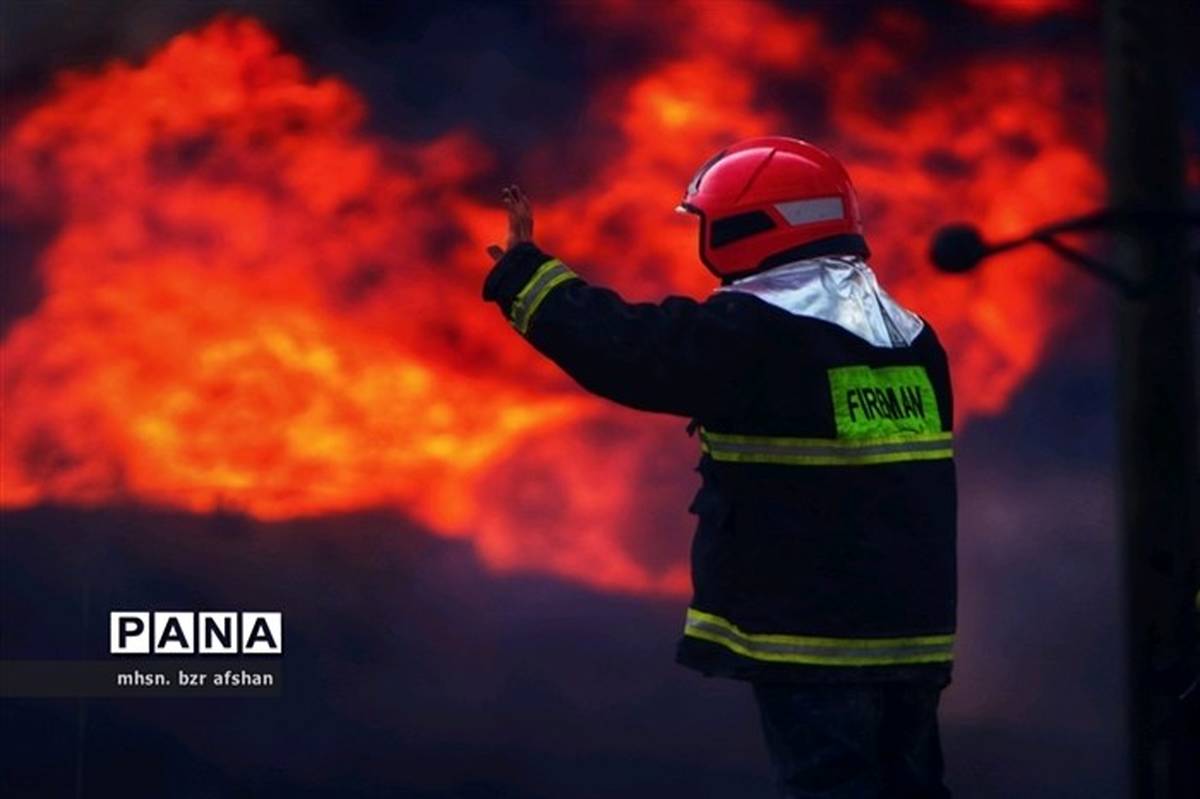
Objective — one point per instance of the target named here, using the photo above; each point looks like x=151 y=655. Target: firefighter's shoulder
x=741 y=313
x=751 y=312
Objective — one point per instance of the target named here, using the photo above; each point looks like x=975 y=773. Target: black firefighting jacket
x=825 y=543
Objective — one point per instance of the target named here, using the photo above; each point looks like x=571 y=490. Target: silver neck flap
x=841 y=289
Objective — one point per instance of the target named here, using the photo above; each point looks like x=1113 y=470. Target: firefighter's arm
x=678 y=356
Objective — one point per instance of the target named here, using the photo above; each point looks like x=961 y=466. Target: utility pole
x=1156 y=394
x=1158 y=446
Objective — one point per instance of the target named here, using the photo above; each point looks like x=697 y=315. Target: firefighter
x=823 y=562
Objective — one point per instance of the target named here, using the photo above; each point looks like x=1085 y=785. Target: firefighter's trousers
x=853 y=740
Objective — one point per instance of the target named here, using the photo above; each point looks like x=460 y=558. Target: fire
x=210 y=336
x=253 y=304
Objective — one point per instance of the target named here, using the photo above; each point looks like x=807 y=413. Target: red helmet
x=765 y=201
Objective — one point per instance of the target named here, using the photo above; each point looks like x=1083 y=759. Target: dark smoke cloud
x=508 y=69
x=411 y=671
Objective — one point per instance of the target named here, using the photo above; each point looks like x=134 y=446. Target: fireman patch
x=888 y=401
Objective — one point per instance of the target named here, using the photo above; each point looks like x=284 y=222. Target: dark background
x=410 y=669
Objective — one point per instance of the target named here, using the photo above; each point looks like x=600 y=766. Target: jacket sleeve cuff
x=510 y=274
x=520 y=281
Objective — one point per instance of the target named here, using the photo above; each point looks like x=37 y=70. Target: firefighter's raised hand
x=520 y=220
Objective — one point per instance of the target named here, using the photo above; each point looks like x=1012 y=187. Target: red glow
x=1022 y=10
x=253 y=304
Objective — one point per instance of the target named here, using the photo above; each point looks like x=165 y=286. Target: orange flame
x=251 y=303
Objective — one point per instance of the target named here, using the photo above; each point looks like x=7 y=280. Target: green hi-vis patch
x=889 y=401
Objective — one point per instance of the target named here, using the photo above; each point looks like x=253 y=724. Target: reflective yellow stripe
x=547 y=276
x=826 y=451
x=820 y=651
